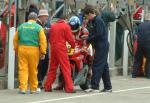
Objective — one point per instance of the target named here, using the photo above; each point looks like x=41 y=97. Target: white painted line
x=66 y=98
x=132 y=89
x=88 y=95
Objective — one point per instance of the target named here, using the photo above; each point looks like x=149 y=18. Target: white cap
x=43 y=12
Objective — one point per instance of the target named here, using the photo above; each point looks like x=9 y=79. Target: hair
x=32 y=16
x=89 y=9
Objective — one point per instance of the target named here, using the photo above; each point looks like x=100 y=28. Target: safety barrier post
x=125 y=54
x=11 y=59
x=112 y=44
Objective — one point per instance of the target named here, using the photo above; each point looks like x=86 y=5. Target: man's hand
x=46 y=30
x=42 y=56
x=84 y=37
x=84 y=50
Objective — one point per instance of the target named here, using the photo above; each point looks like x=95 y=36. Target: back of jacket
x=144 y=31
x=29 y=34
x=60 y=33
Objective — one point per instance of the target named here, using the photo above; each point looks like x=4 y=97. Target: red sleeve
x=13 y=9
x=69 y=36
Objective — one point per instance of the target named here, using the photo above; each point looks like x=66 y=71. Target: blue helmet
x=74 y=23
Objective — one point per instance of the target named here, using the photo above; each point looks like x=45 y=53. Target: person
x=60 y=34
x=32 y=8
x=29 y=45
x=3 y=28
x=5 y=12
x=78 y=32
x=143 y=47
x=98 y=37
x=3 y=32
x=43 y=64
x=141 y=70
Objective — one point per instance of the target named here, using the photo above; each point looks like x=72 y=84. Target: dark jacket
x=143 y=32
x=32 y=8
x=40 y=23
x=47 y=25
x=98 y=32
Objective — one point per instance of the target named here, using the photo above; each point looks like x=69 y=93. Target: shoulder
x=53 y=25
x=98 y=19
x=143 y=24
x=38 y=26
x=64 y=25
x=67 y=26
x=21 y=25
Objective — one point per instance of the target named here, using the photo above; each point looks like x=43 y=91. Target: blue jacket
x=143 y=32
x=98 y=32
x=47 y=25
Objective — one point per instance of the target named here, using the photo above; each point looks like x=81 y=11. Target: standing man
x=60 y=34
x=98 y=37
x=29 y=45
x=43 y=64
x=143 y=47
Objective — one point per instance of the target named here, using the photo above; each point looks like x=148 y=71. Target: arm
x=69 y=37
x=15 y=42
x=43 y=42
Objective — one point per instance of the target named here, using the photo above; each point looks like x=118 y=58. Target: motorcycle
x=79 y=61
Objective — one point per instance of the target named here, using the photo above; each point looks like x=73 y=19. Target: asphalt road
x=125 y=90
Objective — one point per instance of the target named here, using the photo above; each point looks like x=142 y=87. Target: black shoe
x=106 y=90
x=74 y=91
x=141 y=75
x=42 y=87
x=58 y=88
x=84 y=86
x=40 y=84
x=50 y=90
x=148 y=77
x=133 y=76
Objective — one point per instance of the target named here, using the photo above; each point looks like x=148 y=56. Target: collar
x=39 y=21
x=31 y=21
